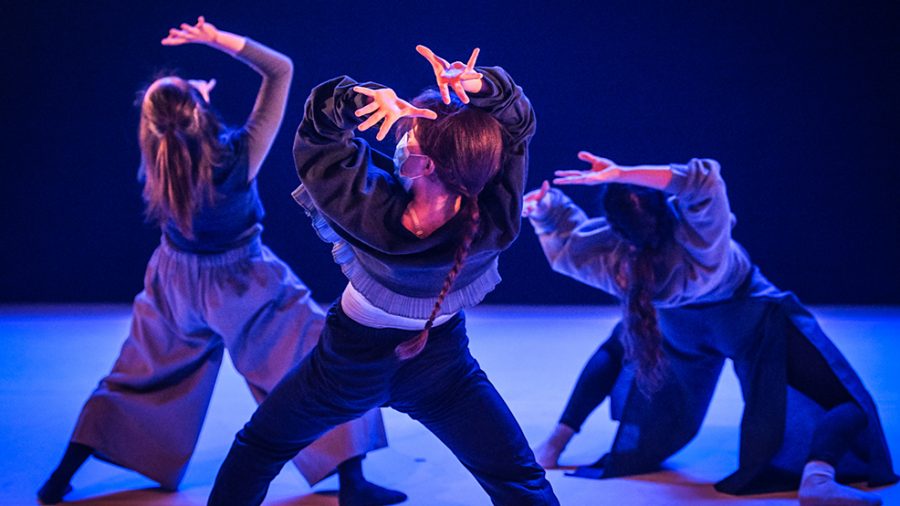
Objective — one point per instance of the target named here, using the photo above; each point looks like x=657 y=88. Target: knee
x=614 y=348
x=255 y=440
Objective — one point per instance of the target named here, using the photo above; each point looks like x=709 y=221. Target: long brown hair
x=466 y=146
x=179 y=141
x=641 y=216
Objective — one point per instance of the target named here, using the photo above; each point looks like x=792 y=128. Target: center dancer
x=418 y=238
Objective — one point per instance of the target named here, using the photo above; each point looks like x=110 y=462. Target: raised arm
x=493 y=90
x=700 y=197
x=706 y=218
x=604 y=170
x=500 y=97
x=582 y=248
x=275 y=68
x=262 y=125
x=351 y=184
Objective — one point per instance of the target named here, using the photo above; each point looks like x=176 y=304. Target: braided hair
x=465 y=145
x=179 y=141
x=641 y=216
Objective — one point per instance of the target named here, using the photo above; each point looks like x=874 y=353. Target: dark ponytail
x=409 y=349
x=642 y=218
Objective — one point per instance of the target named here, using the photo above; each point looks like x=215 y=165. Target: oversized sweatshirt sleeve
x=502 y=197
x=705 y=223
x=582 y=248
x=277 y=71
x=350 y=184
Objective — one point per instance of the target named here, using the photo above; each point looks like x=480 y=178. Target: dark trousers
x=354 y=369
x=596 y=380
x=807 y=372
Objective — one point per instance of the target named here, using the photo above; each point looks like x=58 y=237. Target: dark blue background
x=797 y=100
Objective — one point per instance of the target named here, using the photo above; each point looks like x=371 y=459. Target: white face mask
x=401 y=156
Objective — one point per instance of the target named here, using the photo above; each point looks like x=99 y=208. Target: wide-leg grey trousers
x=147 y=413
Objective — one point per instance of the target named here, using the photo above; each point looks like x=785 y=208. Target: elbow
x=698 y=183
x=710 y=172
x=560 y=266
x=530 y=122
x=286 y=69
x=289 y=67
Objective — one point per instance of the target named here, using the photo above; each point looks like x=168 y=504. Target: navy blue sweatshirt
x=356 y=202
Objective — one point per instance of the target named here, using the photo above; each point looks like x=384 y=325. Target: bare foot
x=547 y=453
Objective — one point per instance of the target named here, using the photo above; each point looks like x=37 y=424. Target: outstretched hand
x=534 y=203
x=385 y=105
x=200 y=33
x=602 y=171
x=454 y=75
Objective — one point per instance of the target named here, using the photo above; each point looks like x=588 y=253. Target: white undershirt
x=360 y=310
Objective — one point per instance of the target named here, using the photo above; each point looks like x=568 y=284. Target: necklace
x=417 y=225
x=415 y=222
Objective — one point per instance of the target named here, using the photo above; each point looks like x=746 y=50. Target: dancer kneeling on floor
x=692 y=298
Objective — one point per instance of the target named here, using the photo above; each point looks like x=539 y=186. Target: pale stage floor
x=52 y=357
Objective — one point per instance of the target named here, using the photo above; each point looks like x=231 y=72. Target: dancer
x=691 y=298
x=210 y=285
x=418 y=237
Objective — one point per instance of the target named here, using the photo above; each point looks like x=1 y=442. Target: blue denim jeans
x=352 y=370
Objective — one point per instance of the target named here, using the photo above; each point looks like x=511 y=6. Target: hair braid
x=409 y=349
x=643 y=339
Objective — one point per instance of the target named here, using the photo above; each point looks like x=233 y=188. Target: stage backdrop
x=797 y=100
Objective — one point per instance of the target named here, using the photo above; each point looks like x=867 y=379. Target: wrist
x=539 y=213
x=473 y=85
x=228 y=42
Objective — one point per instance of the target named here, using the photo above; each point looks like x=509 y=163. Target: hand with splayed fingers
x=461 y=77
x=534 y=204
x=602 y=171
x=206 y=34
x=385 y=105
x=200 y=33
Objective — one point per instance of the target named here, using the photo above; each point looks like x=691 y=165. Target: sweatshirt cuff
x=548 y=221
x=250 y=46
x=492 y=89
x=679 y=178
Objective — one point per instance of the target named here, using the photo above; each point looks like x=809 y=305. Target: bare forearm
x=650 y=176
